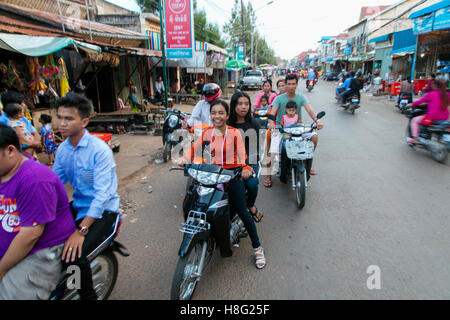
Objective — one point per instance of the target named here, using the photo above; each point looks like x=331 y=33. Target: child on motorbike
x=47 y=137
x=264 y=102
x=228 y=151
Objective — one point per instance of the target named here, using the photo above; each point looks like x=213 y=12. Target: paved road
x=374 y=202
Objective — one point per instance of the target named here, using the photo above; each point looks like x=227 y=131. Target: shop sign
x=423 y=25
x=241 y=52
x=179 y=32
x=442 y=19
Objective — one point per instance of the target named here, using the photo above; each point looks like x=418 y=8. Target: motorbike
x=173 y=122
x=104 y=266
x=209 y=222
x=352 y=103
x=262 y=116
x=434 y=136
x=299 y=150
x=404 y=101
x=310 y=85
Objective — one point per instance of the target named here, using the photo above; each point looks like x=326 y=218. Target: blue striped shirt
x=91 y=170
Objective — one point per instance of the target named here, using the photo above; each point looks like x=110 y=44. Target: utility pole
x=242 y=21
x=163 y=45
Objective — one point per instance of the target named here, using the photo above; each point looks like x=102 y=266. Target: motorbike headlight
x=295 y=131
x=262 y=113
x=173 y=121
x=207 y=178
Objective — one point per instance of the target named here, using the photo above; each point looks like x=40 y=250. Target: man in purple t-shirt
x=35 y=221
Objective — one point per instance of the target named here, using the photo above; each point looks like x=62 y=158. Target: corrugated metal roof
x=77 y=25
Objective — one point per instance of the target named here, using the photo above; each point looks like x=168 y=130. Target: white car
x=252 y=79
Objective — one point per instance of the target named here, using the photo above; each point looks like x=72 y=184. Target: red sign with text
x=178 y=29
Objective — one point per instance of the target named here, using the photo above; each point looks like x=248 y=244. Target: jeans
x=252 y=187
x=97 y=231
x=236 y=192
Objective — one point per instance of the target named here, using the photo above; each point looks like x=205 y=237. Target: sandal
x=268 y=184
x=312 y=172
x=255 y=215
x=260 y=259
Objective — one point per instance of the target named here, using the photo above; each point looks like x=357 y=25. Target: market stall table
x=185 y=96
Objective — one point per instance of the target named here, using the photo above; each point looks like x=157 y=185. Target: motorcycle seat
x=441 y=125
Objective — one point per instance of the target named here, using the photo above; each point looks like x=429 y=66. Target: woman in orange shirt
x=228 y=151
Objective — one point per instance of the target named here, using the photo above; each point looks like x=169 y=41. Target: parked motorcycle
x=173 y=122
x=434 y=136
x=310 y=85
x=104 y=266
x=209 y=222
x=299 y=150
x=404 y=101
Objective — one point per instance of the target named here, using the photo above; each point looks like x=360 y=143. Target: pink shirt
x=433 y=99
x=288 y=121
x=260 y=95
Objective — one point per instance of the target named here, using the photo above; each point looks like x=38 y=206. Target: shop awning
x=35 y=46
x=403 y=51
x=430 y=9
x=381 y=38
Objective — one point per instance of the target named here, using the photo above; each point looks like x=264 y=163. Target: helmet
x=211 y=91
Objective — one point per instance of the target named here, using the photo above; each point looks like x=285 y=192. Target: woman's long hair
x=441 y=85
x=234 y=101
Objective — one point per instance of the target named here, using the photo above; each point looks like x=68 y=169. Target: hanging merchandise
x=14 y=80
x=63 y=76
x=50 y=68
x=37 y=85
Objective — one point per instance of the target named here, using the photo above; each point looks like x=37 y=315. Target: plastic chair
x=123 y=106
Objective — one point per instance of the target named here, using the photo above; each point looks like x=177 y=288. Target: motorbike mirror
x=321 y=115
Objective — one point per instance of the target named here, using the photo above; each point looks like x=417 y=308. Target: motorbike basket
x=300 y=149
x=195 y=223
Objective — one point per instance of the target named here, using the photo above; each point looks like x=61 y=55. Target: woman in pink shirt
x=437 y=110
x=267 y=91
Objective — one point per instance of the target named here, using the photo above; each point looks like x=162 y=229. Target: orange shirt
x=228 y=154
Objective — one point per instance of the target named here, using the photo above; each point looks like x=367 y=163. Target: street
x=374 y=202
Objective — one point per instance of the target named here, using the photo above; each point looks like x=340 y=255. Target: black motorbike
x=300 y=152
x=434 y=137
x=209 y=222
x=262 y=117
x=173 y=122
x=352 y=103
x=104 y=266
x=405 y=100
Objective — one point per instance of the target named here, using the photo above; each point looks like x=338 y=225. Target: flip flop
x=255 y=216
x=312 y=172
x=268 y=184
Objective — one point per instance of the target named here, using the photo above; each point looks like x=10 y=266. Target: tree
x=206 y=31
x=240 y=26
x=151 y=6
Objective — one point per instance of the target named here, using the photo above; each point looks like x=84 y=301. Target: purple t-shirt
x=34 y=196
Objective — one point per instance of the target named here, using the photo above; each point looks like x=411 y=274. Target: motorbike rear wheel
x=105 y=269
x=300 y=191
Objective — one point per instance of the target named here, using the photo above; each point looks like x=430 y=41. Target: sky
x=290 y=26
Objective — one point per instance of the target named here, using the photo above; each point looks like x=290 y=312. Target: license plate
x=404 y=102
x=446 y=137
x=355 y=100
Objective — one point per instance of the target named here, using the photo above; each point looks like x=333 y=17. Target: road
x=374 y=202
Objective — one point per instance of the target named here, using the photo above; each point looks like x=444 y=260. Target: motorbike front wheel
x=167 y=153
x=439 y=153
x=300 y=190
x=186 y=274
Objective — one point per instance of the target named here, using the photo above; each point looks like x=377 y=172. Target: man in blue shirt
x=346 y=86
x=311 y=77
x=88 y=164
x=16 y=97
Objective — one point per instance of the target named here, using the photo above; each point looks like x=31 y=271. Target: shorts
x=50 y=149
x=35 y=277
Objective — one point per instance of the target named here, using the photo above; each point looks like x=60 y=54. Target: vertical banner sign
x=241 y=52
x=179 y=33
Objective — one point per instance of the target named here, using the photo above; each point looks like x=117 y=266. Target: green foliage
x=206 y=31
x=239 y=29
x=151 y=6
